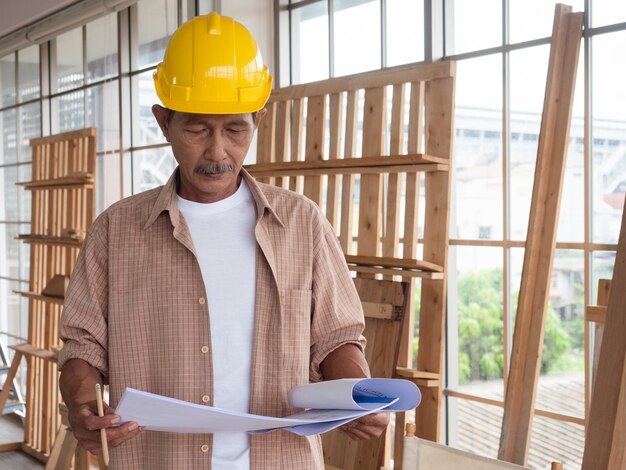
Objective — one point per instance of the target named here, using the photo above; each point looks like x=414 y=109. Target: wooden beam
x=606 y=432
x=541 y=239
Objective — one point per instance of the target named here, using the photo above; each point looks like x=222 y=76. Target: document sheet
x=328 y=405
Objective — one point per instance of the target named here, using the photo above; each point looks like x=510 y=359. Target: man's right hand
x=78 y=387
x=86 y=425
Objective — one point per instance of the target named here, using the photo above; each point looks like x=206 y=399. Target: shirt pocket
x=295 y=332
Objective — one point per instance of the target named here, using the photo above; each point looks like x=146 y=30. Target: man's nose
x=215 y=149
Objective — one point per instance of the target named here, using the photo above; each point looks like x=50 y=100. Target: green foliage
x=480 y=326
x=480 y=331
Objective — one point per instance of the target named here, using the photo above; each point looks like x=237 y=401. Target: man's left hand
x=367 y=427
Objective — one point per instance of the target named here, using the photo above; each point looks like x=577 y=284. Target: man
x=212 y=289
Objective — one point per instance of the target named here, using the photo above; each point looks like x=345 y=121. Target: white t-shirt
x=223 y=237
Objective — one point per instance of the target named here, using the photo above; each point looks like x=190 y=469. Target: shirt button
x=204 y=349
x=206 y=398
x=201 y=301
x=204 y=448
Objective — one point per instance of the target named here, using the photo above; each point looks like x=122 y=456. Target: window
x=502 y=51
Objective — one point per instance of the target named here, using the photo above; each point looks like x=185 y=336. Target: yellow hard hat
x=212 y=65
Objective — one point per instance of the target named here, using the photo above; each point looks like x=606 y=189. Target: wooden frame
x=605 y=442
x=541 y=239
x=63 y=208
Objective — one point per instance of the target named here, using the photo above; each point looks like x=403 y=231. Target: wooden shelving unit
x=384 y=137
x=63 y=208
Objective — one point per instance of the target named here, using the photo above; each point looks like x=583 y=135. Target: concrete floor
x=12 y=430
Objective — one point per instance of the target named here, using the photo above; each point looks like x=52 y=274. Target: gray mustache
x=214 y=168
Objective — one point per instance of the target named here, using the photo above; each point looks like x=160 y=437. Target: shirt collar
x=166 y=200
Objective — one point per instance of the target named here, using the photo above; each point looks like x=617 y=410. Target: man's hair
x=170 y=115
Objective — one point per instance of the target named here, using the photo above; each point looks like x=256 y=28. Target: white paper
x=353 y=398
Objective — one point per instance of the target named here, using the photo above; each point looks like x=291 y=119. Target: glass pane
x=156 y=21
x=474 y=26
x=103 y=113
x=602 y=264
x=108 y=186
x=205 y=6
x=102 y=48
x=608 y=165
x=405 y=31
x=30 y=118
x=527 y=88
x=356 y=23
x=152 y=168
x=605 y=12
x=478 y=149
x=71 y=108
x=11 y=249
x=562 y=360
x=553 y=440
x=477 y=427
x=9 y=210
x=571 y=227
x=69 y=58
x=7 y=80
x=479 y=307
x=28 y=60
x=8 y=123
x=532 y=19
x=146 y=131
x=309 y=43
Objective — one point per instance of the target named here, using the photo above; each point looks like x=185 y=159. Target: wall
x=16 y=14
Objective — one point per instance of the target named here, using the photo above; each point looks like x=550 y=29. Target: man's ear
x=161 y=115
x=260 y=114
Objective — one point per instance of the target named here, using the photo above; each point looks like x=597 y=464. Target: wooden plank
x=367 y=80
x=396 y=138
x=297 y=114
x=541 y=238
x=266 y=146
x=347 y=184
x=399 y=272
x=314 y=149
x=439 y=112
x=595 y=314
x=606 y=430
x=283 y=116
x=8 y=379
x=378 y=310
x=52 y=139
x=370 y=200
x=334 y=153
x=354 y=169
x=28 y=350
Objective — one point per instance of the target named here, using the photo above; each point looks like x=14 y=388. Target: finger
x=94 y=423
x=121 y=434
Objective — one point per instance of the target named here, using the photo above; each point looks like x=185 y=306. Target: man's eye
x=234 y=131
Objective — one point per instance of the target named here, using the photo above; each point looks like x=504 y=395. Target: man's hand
x=367 y=427
x=78 y=387
x=86 y=425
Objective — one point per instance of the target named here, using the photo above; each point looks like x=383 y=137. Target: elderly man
x=213 y=288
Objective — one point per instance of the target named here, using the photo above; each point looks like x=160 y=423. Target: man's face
x=210 y=150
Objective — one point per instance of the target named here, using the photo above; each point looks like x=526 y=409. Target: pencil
x=103 y=432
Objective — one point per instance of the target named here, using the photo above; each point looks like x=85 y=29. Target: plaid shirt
x=136 y=310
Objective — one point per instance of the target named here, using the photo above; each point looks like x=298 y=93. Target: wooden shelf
x=42 y=297
x=394 y=267
x=64 y=182
x=364 y=165
x=31 y=351
x=50 y=240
